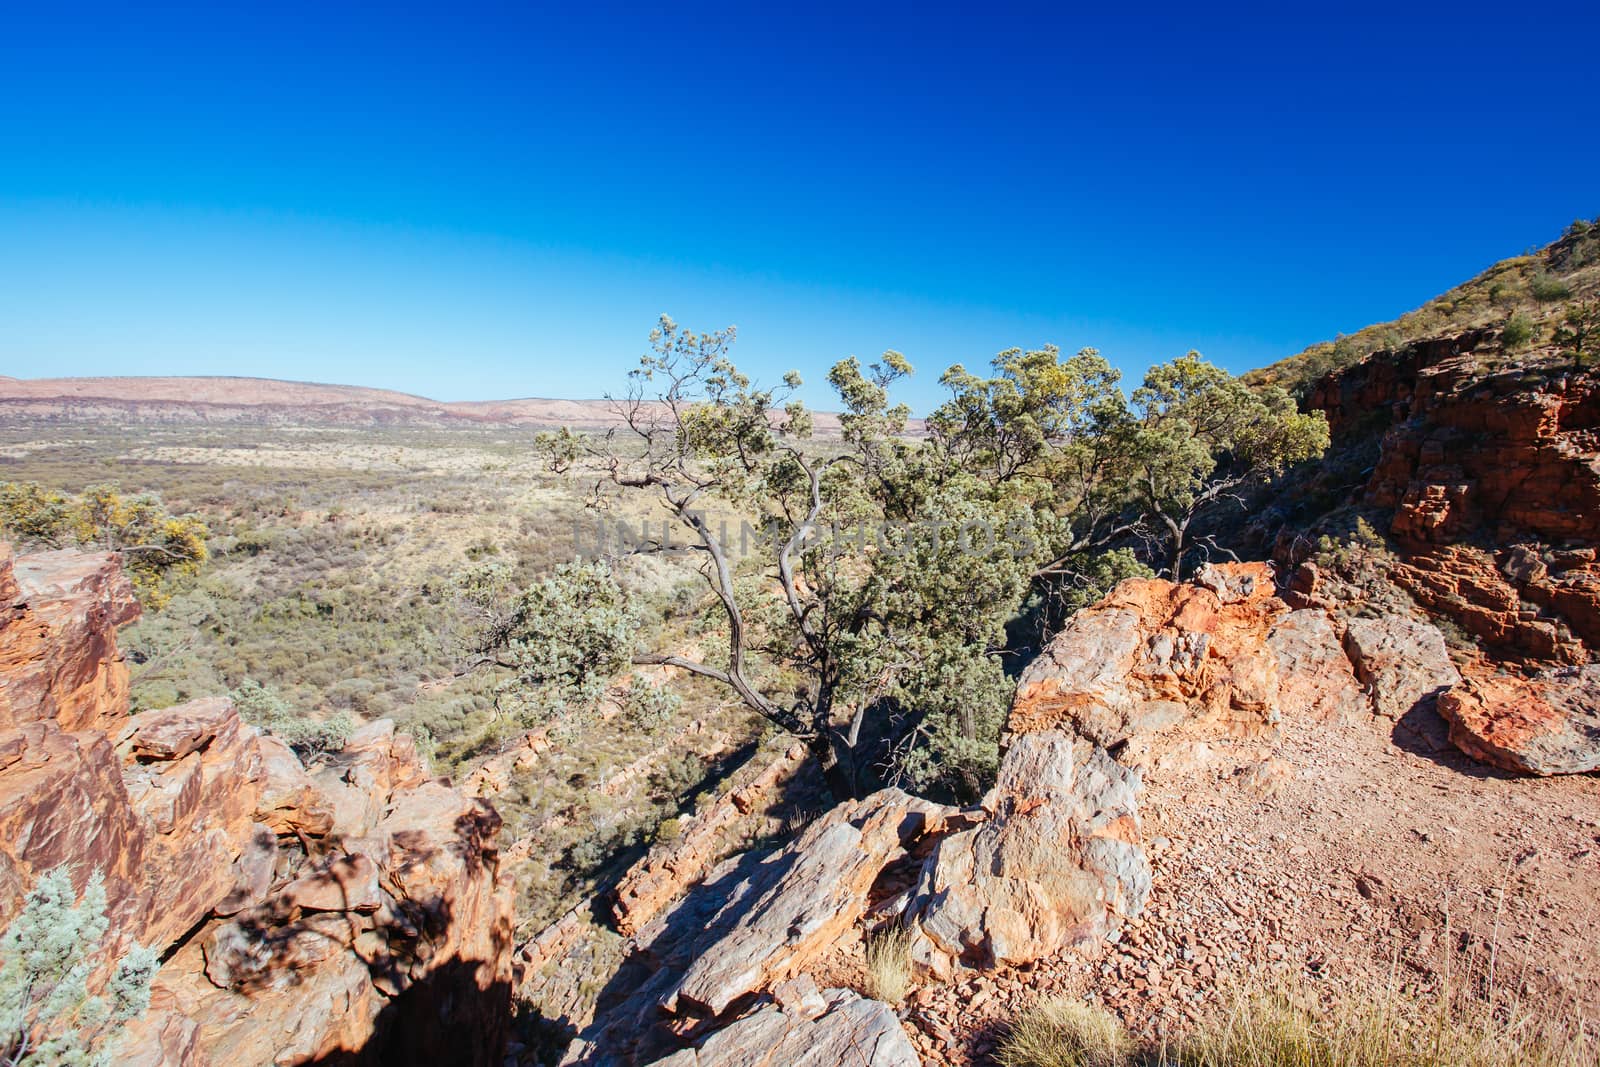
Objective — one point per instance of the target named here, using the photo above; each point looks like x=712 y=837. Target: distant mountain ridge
x=270 y=401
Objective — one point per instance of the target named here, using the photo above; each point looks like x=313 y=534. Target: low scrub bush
x=1518 y=332
x=1547 y=288
x=48 y=957
x=1066 y=1033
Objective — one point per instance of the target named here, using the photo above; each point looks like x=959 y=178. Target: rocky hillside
x=1487 y=480
x=1202 y=781
x=1532 y=291
x=351 y=910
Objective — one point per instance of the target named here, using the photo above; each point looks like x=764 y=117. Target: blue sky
x=496 y=201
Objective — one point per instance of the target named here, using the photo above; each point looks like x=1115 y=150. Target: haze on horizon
x=499 y=204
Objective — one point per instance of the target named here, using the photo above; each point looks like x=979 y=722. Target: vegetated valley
x=1276 y=743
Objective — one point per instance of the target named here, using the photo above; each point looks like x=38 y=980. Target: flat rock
x=1547 y=724
x=345 y=883
x=850 y=1032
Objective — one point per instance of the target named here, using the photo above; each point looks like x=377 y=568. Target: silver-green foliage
x=560 y=639
x=48 y=956
x=649 y=706
x=263 y=707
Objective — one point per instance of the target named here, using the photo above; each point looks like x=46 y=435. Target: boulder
x=195 y=773
x=62 y=802
x=819 y=890
x=1546 y=724
x=1316 y=681
x=1059 y=862
x=1156 y=657
x=254 y=871
x=1402 y=661
x=754 y=923
x=849 y=1030
x=175 y=732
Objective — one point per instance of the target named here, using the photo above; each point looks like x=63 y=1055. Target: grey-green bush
x=48 y=954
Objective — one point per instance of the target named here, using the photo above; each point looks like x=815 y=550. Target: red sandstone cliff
x=353 y=911
x=1492 y=478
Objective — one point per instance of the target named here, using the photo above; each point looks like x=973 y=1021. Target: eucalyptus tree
x=1198 y=438
x=879 y=567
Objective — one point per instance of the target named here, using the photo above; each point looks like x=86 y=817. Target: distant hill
x=272 y=402
x=1532 y=290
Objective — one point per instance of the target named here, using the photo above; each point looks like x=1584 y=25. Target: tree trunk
x=838 y=764
x=1176 y=546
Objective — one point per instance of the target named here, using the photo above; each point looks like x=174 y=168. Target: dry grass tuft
x=888 y=975
x=1065 y=1033
x=1272 y=1028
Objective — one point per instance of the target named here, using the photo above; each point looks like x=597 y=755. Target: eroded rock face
x=1548 y=724
x=1508 y=460
x=1058 y=863
x=755 y=922
x=371 y=931
x=1403 y=662
x=59 y=613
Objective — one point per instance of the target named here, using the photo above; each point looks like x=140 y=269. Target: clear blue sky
x=497 y=201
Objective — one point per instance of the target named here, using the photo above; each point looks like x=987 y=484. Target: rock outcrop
x=1157 y=663
x=827 y=1029
x=1492 y=482
x=754 y=923
x=59 y=613
x=669 y=869
x=1547 y=724
x=1149 y=684
x=1058 y=863
x=354 y=911
x=1052 y=858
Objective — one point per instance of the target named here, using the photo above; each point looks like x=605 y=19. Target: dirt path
x=1353 y=856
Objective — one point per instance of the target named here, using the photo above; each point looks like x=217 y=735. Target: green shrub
x=47 y=957
x=264 y=708
x=1518 y=331
x=1547 y=287
x=649 y=706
